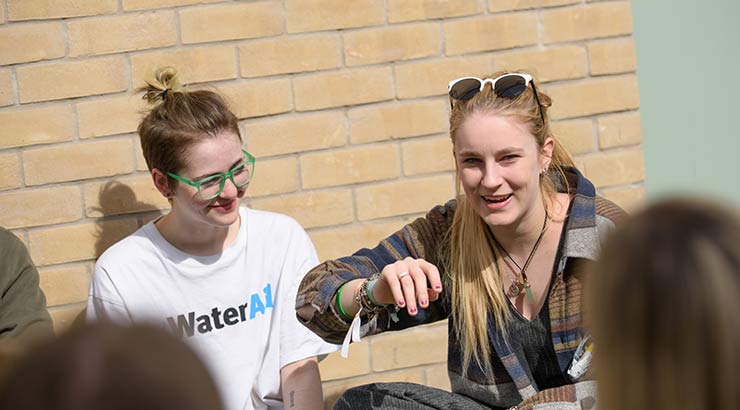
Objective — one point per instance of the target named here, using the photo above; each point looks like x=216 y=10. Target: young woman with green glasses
x=221 y=276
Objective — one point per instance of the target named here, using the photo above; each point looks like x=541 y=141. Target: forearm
x=347 y=298
x=301 y=385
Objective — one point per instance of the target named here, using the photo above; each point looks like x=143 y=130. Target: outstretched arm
x=300 y=383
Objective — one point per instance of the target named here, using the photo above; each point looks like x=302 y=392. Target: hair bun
x=166 y=82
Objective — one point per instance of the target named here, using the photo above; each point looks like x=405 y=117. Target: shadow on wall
x=117 y=202
x=116 y=199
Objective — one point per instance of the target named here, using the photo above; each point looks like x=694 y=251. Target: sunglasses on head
x=509 y=85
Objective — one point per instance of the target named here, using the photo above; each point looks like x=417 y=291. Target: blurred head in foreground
x=665 y=309
x=103 y=366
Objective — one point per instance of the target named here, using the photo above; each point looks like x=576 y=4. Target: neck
x=519 y=238
x=197 y=239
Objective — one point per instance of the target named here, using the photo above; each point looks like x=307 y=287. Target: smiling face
x=499 y=164
x=205 y=158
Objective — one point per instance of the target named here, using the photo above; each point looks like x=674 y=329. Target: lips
x=495 y=199
x=496 y=203
x=224 y=207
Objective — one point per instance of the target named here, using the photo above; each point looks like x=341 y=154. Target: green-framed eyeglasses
x=212 y=186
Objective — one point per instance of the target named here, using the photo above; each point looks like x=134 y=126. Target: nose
x=230 y=190
x=491 y=177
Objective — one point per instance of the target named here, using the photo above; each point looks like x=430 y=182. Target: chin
x=224 y=219
x=503 y=219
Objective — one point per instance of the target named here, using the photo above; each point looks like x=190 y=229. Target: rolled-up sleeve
x=423 y=238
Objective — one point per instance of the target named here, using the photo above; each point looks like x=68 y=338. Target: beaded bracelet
x=370 y=286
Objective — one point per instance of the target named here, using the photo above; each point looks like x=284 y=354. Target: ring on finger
x=402 y=275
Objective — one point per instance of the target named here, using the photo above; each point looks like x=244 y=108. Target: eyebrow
x=219 y=173
x=506 y=150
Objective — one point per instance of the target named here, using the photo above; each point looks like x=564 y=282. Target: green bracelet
x=339 y=304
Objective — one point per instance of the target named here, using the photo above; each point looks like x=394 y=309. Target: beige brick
x=333 y=389
x=77 y=242
x=293 y=134
x=121 y=33
x=631 y=199
x=63 y=285
x=312 y=209
x=437 y=377
x=557 y=63
x=6 y=88
x=490 y=33
x=231 y=22
x=258 y=98
x=32 y=42
x=428 y=155
x=391 y=44
x=31 y=126
x=427 y=78
x=10 y=171
x=577 y=136
x=336 y=367
x=194 y=65
x=2 y=15
x=506 y=5
x=154 y=4
x=289 y=55
x=582 y=22
x=620 y=130
x=407 y=10
x=316 y=15
x=611 y=57
x=109 y=116
x=72 y=79
x=403 y=197
x=122 y=196
x=274 y=176
x=396 y=350
x=350 y=166
x=615 y=168
x=66 y=317
x=358 y=86
x=596 y=96
x=391 y=121
x=80 y=161
x=334 y=243
x=40 y=207
x=52 y=9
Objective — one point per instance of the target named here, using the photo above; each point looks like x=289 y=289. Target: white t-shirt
x=236 y=308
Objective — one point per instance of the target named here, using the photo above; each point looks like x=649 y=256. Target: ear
x=161 y=182
x=546 y=152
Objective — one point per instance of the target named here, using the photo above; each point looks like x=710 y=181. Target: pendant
x=514 y=289
x=528 y=291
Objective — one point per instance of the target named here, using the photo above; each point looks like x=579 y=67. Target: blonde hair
x=664 y=309
x=474 y=264
x=179 y=118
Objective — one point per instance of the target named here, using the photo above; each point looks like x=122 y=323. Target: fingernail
x=438 y=287
x=412 y=309
x=400 y=303
x=424 y=302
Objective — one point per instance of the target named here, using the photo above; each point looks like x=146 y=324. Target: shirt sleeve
x=104 y=302
x=22 y=302
x=296 y=341
x=423 y=238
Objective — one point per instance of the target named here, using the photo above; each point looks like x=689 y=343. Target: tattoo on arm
x=292 y=399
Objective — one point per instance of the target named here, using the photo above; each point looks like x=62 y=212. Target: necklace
x=517 y=285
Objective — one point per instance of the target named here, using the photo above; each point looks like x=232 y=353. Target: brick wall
x=343 y=103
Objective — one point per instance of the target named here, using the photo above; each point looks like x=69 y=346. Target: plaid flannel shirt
x=511 y=381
